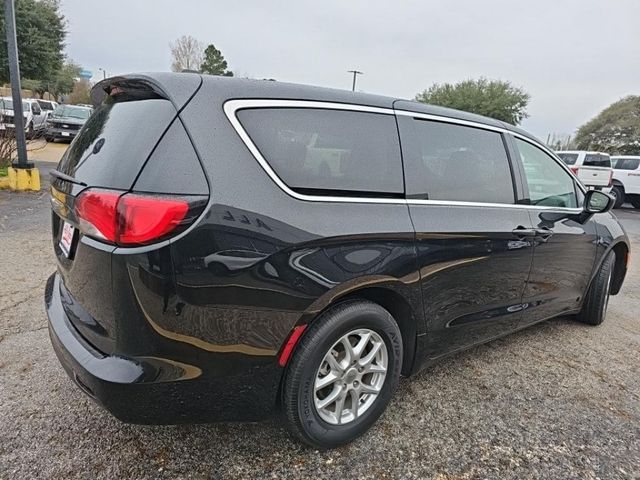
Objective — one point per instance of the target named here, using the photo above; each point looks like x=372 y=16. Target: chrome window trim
x=457 y=121
x=230 y=108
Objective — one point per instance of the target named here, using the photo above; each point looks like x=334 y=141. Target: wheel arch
x=617 y=183
x=394 y=302
x=401 y=311
x=620 y=266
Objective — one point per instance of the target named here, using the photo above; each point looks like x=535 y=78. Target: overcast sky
x=573 y=56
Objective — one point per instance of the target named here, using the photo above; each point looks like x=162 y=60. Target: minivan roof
x=178 y=85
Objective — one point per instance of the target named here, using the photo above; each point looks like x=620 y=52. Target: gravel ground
x=558 y=400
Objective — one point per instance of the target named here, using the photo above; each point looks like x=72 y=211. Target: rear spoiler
x=178 y=88
x=125 y=89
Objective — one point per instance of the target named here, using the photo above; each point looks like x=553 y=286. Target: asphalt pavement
x=559 y=400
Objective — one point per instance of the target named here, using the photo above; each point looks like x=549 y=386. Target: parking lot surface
x=557 y=400
x=41 y=150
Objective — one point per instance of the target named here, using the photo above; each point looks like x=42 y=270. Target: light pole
x=355 y=72
x=14 y=74
x=104 y=72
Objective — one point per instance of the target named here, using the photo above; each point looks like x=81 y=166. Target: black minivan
x=231 y=249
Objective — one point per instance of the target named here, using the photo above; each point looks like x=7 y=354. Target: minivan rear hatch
x=109 y=156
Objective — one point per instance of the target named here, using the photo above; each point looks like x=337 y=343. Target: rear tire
x=635 y=200
x=617 y=192
x=361 y=391
x=594 y=308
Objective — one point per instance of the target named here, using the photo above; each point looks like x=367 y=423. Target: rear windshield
x=568 y=158
x=626 y=163
x=597 y=160
x=115 y=141
x=69 y=111
x=45 y=105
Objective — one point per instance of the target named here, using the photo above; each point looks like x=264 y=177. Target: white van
x=593 y=169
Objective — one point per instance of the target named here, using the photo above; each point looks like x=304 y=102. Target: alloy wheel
x=350 y=376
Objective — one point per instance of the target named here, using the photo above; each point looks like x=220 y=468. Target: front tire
x=342 y=374
x=594 y=308
x=618 y=193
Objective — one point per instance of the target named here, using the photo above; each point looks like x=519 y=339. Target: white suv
x=626 y=179
x=593 y=169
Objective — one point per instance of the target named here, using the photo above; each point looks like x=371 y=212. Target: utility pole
x=355 y=72
x=104 y=73
x=14 y=74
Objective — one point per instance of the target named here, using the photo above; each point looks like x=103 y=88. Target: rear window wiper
x=65 y=177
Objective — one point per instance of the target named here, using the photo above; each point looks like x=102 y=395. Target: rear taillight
x=129 y=219
x=610 y=178
x=96 y=211
x=574 y=170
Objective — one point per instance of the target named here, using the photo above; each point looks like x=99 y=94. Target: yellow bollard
x=21 y=179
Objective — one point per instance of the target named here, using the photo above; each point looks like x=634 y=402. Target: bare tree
x=187 y=53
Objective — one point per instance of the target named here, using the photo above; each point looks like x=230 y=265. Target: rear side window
x=568 y=158
x=626 y=163
x=328 y=151
x=115 y=142
x=597 y=160
x=446 y=161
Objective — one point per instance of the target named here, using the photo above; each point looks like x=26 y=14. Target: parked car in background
x=47 y=106
x=593 y=169
x=65 y=122
x=34 y=116
x=626 y=179
x=261 y=248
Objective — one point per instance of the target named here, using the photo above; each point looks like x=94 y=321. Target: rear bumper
x=155 y=390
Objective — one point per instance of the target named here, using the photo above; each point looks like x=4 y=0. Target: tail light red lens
x=143 y=219
x=610 y=178
x=129 y=219
x=97 y=212
x=574 y=170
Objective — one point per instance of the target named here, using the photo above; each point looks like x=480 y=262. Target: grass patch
x=4 y=171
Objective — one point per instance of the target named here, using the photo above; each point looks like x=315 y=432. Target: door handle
x=523 y=232
x=544 y=233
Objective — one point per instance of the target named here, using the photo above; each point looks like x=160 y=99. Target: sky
x=574 y=57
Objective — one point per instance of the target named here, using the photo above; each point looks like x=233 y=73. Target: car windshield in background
x=72 y=112
x=597 y=160
x=6 y=104
x=626 y=163
x=45 y=105
x=568 y=158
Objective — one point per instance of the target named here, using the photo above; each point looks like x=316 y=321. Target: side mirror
x=596 y=201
